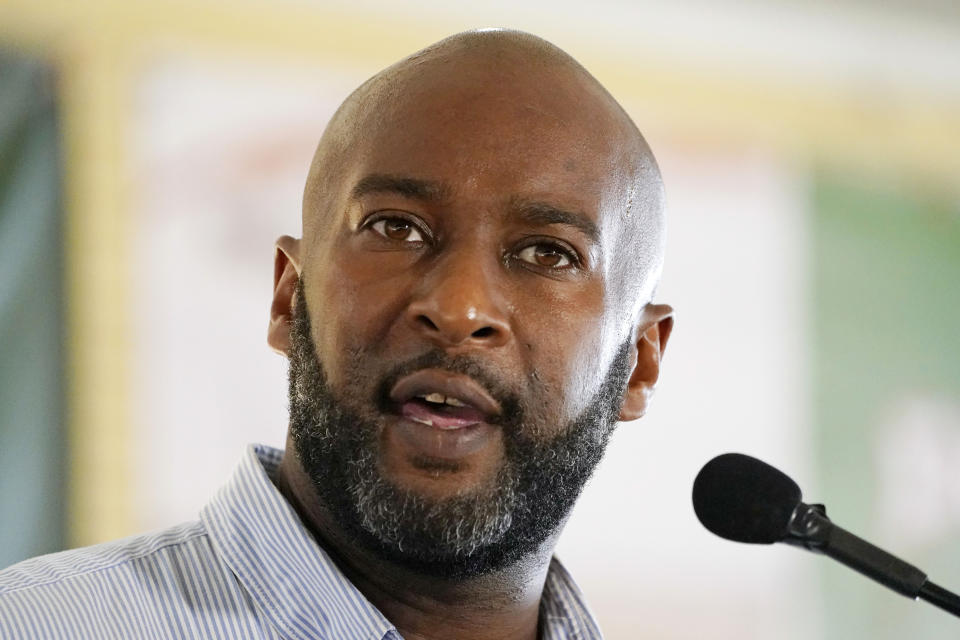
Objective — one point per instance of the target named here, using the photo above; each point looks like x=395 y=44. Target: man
x=467 y=315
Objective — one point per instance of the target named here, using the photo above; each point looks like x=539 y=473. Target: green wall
x=32 y=435
x=886 y=305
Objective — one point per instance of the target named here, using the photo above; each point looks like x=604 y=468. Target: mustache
x=462 y=364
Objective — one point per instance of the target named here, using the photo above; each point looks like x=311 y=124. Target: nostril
x=484 y=332
x=427 y=322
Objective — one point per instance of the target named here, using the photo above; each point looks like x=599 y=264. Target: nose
x=459 y=304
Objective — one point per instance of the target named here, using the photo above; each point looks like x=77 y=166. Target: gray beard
x=474 y=532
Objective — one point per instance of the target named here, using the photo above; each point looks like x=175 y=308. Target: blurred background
x=151 y=151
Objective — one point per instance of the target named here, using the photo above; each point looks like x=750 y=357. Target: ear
x=286 y=274
x=652 y=336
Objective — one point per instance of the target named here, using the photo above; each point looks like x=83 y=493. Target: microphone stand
x=811 y=529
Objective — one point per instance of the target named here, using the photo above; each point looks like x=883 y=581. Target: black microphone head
x=744 y=499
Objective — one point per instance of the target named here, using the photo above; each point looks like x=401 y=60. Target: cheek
x=353 y=306
x=564 y=339
x=588 y=371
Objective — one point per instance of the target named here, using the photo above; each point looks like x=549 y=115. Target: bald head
x=484 y=81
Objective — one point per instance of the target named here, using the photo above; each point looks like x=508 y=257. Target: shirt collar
x=289 y=576
x=563 y=610
x=298 y=587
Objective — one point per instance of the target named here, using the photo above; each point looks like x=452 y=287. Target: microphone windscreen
x=744 y=499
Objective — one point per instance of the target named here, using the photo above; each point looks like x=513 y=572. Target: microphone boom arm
x=810 y=528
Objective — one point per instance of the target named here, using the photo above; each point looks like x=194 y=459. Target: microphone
x=746 y=500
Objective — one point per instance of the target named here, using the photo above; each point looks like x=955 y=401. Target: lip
x=452 y=444
x=457 y=385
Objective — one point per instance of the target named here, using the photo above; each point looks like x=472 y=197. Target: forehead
x=495 y=133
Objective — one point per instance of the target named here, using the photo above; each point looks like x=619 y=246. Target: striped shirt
x=248 y=568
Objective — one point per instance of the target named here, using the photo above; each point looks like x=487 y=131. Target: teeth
x=439 y=398
x=425 y=421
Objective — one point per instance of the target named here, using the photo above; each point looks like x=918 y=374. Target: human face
x=476 y=220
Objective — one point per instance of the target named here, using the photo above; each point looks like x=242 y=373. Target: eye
x=398 y=229
x=550 y=256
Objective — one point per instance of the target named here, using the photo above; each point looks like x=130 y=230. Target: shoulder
x=145 y=586
x=97 y=561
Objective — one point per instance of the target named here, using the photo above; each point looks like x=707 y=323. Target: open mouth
x=443 y=400
x=443 y=412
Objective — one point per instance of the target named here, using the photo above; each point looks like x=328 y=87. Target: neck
x=503 y=604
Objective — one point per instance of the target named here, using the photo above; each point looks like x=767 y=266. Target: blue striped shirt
x=248 y=568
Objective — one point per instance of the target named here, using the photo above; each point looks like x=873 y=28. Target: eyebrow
x=414 y=188
x=532 y=212
x=542 y=213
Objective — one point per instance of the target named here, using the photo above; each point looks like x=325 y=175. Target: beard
x=475 y=531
